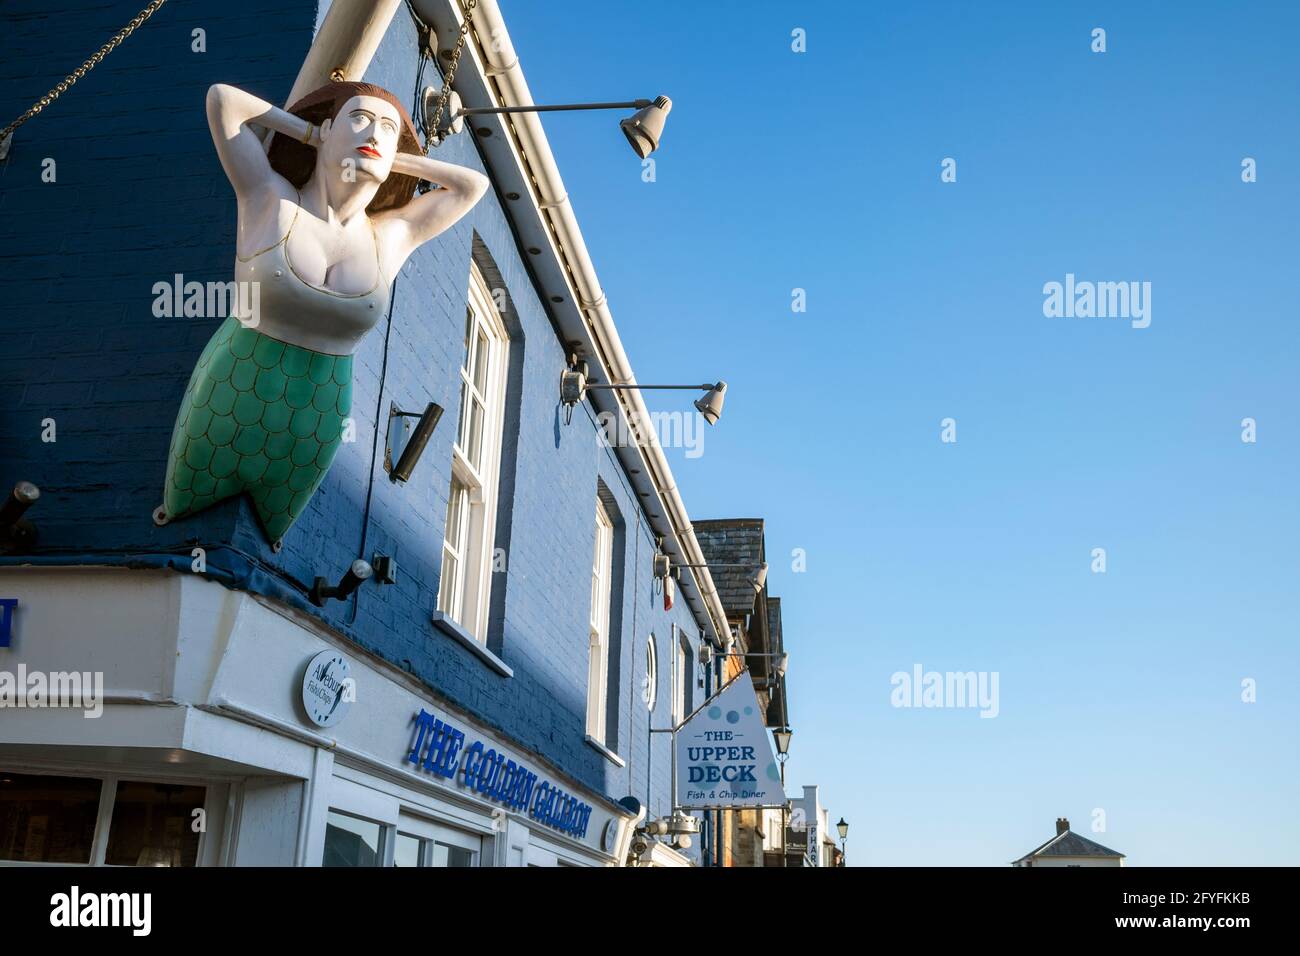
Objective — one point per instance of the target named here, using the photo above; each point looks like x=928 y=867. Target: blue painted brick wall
x=139 y=197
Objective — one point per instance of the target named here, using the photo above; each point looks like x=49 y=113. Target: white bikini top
x=288 y=308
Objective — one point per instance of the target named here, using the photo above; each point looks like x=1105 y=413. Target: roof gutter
x=584 y=314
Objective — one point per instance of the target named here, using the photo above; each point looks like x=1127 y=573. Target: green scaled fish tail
x=258 y=416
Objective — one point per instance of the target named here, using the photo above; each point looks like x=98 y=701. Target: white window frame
x=429 y=832
x=681 y=674
x=651 y=673
x=464 y=594
x=602 y=583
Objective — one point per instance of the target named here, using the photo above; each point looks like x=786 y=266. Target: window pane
x=447 y=586
x=474 y=451
x=455 y=515
x=154 y=825
x=47 y=819
x=406 y=851
x=469 y=331
x=480 y=363
x=350 y=841
x=463 y=424
x=444 y=855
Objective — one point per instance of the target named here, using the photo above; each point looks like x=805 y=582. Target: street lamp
x=782 y=737
x=843 y=827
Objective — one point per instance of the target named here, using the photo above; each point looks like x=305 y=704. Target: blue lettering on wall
x=7 y=606
x=440 y=743
x=438 y=747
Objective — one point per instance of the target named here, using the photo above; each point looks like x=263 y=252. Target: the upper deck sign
x=724 y=753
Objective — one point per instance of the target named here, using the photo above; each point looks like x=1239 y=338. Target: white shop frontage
x=205 y=752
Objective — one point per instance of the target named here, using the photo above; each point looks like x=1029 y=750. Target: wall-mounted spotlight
x=358 y=572
x=574 y=384
x=756 y=576
x=407 y=442
x=780 y=664
x=677 y=826
x=16 y=532
x=710 y=405
x=643 y=129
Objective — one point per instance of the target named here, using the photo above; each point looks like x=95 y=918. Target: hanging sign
x=724 y=754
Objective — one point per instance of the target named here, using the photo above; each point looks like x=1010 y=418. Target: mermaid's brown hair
x=296 y=161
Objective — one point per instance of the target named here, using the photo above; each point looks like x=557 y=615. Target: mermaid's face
x=362 y=137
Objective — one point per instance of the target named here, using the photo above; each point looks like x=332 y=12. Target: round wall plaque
x=327 y=689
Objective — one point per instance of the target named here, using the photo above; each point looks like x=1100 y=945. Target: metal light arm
x=705 y=387
x=559 y=108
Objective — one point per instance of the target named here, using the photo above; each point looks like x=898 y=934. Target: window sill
x=605 y=751
x=453 y=630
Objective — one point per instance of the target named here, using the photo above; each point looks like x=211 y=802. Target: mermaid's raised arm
x=232 y=113
x=415 y=223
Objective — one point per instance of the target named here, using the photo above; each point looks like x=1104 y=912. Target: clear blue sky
x=821 y=170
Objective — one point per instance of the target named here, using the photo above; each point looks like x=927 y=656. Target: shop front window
x=457 y=856
x=100 y=821
x=352 y=841
x=45 y=819
x=408 y=850
x=420 y=841
x=155 y=824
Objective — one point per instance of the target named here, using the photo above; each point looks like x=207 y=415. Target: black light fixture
x=16 y=532
x=782 y=737
x=843 y=827
x=643 y=129
x=385 y=568
x=410 y=441
x=358 y=572
x=574 y=384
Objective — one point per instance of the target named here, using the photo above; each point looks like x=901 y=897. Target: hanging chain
x=450 y=75
x=80 y=71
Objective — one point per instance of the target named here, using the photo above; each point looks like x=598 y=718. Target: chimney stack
x=1062 y=825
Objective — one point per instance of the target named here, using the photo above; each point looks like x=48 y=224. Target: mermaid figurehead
x=326 y=217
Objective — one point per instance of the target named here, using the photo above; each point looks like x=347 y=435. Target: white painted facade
x=203 y=685
x=808 y=813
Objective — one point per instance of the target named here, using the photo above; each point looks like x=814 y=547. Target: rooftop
x=1070 y=843
x=732 y=541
